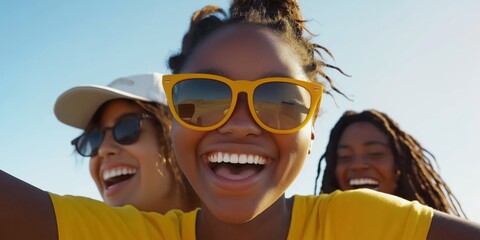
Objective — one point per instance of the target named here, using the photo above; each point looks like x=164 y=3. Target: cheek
x=304 y=138
x=340 y=172
x=146 y=151
x=387 y=168
x=388 y=171
x=157 y=179
x=184 y=143
x=149 y=159
x=148 y=156
x=293 y=149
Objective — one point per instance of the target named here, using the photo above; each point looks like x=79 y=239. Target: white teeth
x=236 y=158
x=226 y=158
x=115 y=172
x=242 y=159
x=250 y=159
x=362 y=181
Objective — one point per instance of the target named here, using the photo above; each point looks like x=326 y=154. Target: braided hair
x=282 y=16
x=418 y=180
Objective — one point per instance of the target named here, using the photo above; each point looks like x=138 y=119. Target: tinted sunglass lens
x=201 y=102
x=88 y=144
x=281 y=105
x=127 y=130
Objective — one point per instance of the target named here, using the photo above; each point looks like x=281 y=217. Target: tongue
x=117 y=179
x=235 y=171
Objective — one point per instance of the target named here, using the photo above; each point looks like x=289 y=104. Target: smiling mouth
x=235 y=166
x=117 y=175
x=370 y=183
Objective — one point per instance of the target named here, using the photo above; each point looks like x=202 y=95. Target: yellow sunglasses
x=204 y=102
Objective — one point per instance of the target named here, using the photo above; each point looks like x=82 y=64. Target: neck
x=173 y=201
x=273 y=223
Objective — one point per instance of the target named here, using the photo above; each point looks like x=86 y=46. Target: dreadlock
x=282 y=16
x=418 y=178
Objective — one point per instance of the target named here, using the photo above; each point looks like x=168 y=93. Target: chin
x=235 y=216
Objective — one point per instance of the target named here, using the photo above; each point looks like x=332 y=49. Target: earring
x=160 y=158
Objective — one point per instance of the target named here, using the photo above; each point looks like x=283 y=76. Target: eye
x=376 y=155
x=344 y=158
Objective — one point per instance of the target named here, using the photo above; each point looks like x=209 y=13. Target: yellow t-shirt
x=84 y=218
x=359 y=214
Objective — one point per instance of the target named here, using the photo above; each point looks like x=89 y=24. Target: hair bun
x=205 y=12
x=272 y=9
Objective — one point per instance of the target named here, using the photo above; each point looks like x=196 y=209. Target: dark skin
x=254 y=209
x=446 y=226
x=27 y=212
x=262 y=221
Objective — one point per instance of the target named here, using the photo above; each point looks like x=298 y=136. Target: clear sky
x=418 y=61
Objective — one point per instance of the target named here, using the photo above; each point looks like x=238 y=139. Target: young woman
x=369 y=150
x=127 y=137
x=240 y=143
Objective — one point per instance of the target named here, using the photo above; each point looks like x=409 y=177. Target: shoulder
x=81 y=217
x=363 y=195
x=361 y=201
x=366 y=197
x=360 y=214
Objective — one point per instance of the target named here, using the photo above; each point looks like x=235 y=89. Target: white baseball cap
x=76 y=106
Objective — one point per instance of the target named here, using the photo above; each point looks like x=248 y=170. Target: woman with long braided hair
x=369 y=150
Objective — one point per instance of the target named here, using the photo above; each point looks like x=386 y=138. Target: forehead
x=115 y=109
x=362 y=132
x=245 y=52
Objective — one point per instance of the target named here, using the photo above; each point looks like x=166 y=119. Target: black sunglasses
x=126 y=131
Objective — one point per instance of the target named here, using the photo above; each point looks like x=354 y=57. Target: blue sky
x=418 y=61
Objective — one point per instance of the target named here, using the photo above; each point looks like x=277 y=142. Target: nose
x=108 y=146
x=241 y=122
x=359 y=162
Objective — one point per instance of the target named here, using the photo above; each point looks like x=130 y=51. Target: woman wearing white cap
x=126 y=135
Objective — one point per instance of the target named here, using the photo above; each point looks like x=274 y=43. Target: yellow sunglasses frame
x=238 y=86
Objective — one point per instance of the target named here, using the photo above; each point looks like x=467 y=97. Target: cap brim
x=76 y=106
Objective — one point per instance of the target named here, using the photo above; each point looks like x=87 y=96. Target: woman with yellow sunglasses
x=244 y=107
